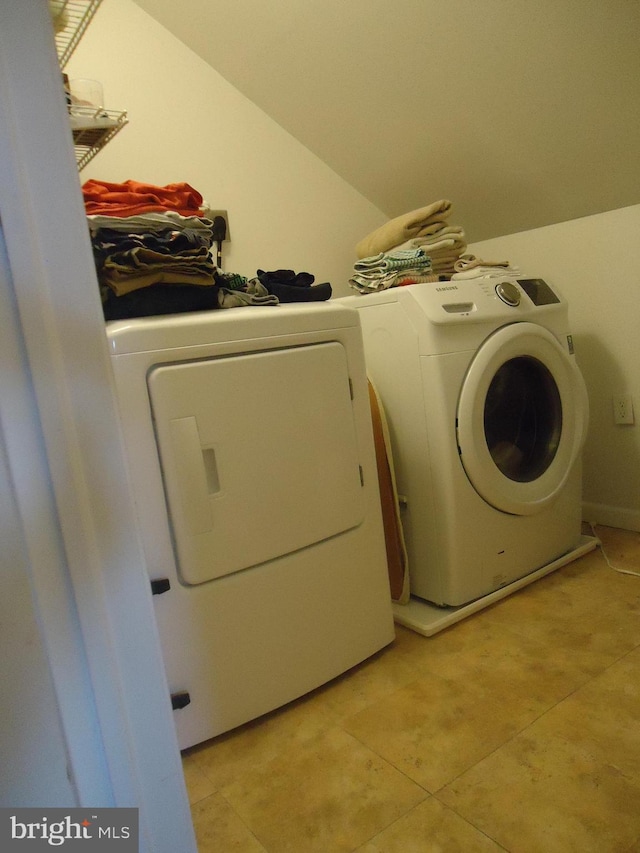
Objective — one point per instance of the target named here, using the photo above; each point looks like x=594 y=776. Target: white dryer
x=487 y=415
x=249 y=445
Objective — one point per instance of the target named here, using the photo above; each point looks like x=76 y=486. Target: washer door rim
x=522 y=339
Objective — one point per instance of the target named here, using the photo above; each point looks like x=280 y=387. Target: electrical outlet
x=623 y=410
x=211 y=214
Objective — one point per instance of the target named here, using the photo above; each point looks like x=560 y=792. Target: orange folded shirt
x=133 y=197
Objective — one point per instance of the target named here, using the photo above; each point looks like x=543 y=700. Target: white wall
x=595 y=261
x=286 y=208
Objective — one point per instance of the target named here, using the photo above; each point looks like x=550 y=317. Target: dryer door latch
x=160 y=585
x=180 y=700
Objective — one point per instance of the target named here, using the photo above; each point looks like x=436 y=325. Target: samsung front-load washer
x=248 y=438
x=487 y=414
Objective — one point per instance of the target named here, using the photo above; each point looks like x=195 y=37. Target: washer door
x=522 y=418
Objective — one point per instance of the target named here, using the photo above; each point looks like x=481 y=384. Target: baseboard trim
x=611 y=516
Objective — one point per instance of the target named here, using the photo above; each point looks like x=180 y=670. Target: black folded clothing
x=291 y=293
x=291 y=286
x=160 y=299
x=288 y=277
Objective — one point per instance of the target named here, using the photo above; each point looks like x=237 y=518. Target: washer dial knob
x=508 y=292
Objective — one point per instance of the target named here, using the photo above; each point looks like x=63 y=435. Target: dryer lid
x=522 y=418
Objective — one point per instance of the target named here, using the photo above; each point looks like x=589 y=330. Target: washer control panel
x=538 y=291
x=490 y=298
x=508 y=292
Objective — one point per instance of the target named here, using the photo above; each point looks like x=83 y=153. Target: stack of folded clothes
x=426 y=229
x=152 y=247
x=152 y=251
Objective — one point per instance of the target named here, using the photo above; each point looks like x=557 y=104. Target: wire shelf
x=93 y=127
x=71 y=18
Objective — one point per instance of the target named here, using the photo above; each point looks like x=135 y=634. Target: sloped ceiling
x=521 y=113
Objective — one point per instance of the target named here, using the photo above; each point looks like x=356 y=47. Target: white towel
x=486 y=272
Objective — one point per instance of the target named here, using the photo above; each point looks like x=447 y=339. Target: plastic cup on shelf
x=86 y=93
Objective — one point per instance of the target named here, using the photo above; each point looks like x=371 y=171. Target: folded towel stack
x=426 y=229
x=469 y=266
x=391 y=269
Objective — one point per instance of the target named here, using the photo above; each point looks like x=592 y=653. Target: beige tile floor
x=517 y=729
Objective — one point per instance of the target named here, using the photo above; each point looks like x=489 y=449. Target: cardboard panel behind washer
x=259 y=455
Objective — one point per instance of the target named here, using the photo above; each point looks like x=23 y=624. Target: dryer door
x=522 y=418
x=259 y=455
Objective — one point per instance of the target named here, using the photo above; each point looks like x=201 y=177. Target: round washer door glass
x=521 y=419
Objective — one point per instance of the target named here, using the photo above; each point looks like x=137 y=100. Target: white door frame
x=60 y=424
